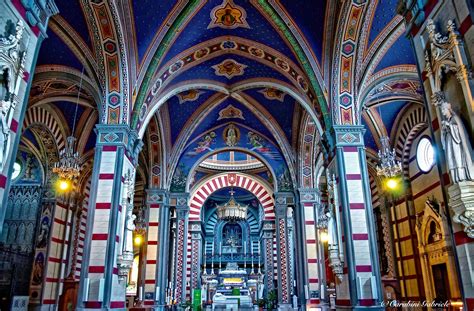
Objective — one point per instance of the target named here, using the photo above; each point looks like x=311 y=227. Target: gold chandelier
x=68 y=168
x=232 y=210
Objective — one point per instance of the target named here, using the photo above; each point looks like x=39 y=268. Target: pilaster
x=363 y=286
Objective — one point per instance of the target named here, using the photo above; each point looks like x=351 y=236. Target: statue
x=455 y=144
x=4 y=130
x=332 y=230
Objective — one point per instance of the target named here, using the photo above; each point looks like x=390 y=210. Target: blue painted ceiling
x=254 y=69
x=384 y=13
x=310 y=24
x=389 y=113
x=71 y=11
x=180 y=113
x=149 y=17
x=62 y=54
x=400 y=54
x=281 y=111
x=260 y=30
x=250 y=120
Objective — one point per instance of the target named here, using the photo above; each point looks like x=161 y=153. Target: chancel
x=236 y=155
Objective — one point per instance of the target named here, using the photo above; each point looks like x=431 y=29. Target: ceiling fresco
x=194 y=67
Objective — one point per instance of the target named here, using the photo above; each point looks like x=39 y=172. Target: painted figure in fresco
x=255 y=140
x=227 y=18
x=456 y=145
x=44 y=233
x=205 y=143
x=231 y=137
x=38 y=268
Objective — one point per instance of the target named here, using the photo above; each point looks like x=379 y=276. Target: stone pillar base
x=285 y=307
x=461 y=202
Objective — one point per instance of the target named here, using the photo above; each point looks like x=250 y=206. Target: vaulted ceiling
x=258 y=57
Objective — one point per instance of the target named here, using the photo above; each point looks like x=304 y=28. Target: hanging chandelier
x=68 y=168
x=389 y=166
x=232 y=210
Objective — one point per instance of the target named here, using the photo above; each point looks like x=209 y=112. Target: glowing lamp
x=64 y=185
x=323 y=236
x=138 y=240
x=391 y=183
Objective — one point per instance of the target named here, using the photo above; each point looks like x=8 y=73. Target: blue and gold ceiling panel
x=203 y=27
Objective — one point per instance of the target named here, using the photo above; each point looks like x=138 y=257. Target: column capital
x=157 y=196
x=282 y=201
x=348 y=135
x=119 y=135
x=180 y=200
x=309 y=195
x=39 y=12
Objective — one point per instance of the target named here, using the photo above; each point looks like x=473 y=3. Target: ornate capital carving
x=461 y=202
x=349 y=135
x=38 y=12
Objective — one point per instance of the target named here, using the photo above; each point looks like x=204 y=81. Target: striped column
x=363 y=283
x=155 y=252
x=195 y=232
x=81 y=237
x=311 y=262
x=267 y=238
x=284 y=278
x=56 y=257
x=182 y=218
x=115 y=158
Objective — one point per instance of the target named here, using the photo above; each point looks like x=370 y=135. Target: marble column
x=360 y=285
x=115 y=158
x=267 y=234
x=196 y=236
x=182 y=218
x=157 y=210
x=283 y=200
x=311 y=261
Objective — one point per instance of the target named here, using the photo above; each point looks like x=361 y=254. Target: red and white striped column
x=361 y=284
x=181 y=262
x=56 y=255
x=156 y=200
x=115 y=159
x=309 y=199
